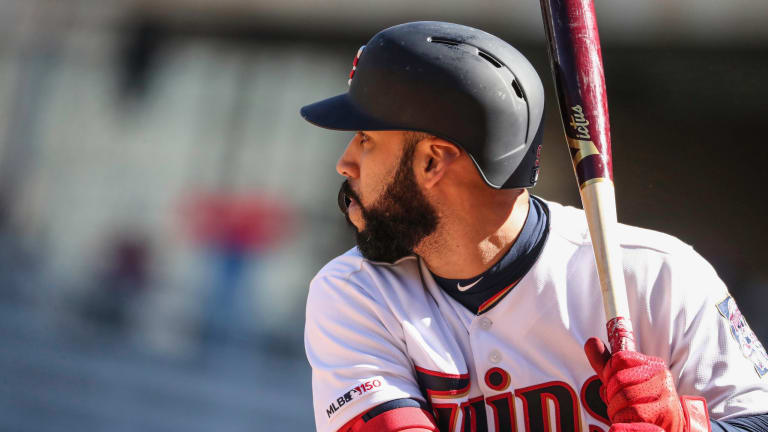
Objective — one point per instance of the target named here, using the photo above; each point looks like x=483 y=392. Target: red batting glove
x=637 y=389
x=635 y=427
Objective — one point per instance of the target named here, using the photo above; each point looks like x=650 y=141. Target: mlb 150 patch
x=369 y=386
x=745 y=337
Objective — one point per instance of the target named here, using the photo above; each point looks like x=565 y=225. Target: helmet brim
x=340 y=113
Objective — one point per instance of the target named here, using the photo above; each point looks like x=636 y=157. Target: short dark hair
x=412 y=138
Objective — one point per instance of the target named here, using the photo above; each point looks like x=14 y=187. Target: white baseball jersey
x=377 y=332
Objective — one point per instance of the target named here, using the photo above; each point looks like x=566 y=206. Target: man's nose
x=347 y=163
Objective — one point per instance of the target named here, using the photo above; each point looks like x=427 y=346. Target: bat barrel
x=577 y=66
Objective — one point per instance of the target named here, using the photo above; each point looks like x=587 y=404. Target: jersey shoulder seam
x=661 y=243
x=347 y=275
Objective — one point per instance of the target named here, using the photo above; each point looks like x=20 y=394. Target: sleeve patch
x=744 y=336
x=370 y=385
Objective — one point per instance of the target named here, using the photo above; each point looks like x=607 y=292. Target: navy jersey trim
x=394 y=404
x=755 y=423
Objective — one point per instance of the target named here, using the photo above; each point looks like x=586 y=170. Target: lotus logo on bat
x=579 y=122
x=359 y=390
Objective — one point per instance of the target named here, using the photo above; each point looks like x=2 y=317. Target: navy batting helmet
x=455 y=82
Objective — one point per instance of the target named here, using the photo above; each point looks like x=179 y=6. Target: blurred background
x=163 y=206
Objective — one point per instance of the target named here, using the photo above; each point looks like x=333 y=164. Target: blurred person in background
x=117 y=286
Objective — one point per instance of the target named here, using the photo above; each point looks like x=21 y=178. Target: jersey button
x=485 y=323
x=495 y=356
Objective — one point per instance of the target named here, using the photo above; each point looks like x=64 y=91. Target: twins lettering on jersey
x=541 y=404
x=371 y=385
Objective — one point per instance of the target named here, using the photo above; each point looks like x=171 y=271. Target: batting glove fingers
x=635 y=427
x=639 y=389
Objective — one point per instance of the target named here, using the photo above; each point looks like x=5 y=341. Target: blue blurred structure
x=55 y=380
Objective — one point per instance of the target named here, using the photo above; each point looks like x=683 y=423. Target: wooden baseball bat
x=577 y=67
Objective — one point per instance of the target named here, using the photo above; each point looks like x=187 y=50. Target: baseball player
x=469 y=304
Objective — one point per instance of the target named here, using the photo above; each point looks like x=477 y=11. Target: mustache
x=346 y=194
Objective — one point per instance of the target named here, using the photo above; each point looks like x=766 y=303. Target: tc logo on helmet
x=354 y=65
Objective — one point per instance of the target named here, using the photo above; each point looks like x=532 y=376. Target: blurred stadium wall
x=163 y=206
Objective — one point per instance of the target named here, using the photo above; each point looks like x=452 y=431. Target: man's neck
x=475 y=236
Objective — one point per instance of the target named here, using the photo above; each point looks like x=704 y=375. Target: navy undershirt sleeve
x=754 y=423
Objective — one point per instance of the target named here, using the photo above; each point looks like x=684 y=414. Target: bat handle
x=599 y=201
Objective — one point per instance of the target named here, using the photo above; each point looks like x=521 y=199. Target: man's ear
x=433 y=158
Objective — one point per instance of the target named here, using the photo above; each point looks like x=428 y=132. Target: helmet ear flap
x=527 y=172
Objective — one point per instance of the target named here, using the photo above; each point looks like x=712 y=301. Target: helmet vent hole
x=518 y=90
x=488 y=58
x=442 y=41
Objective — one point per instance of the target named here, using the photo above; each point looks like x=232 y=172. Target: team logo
x=366 y=387
x=745 y=337
x=354 y=65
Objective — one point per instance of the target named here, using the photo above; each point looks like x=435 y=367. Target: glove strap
x=696 y=414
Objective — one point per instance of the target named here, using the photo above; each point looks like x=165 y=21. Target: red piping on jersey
x=441 y=374
x=453 y=393
x=496 y=297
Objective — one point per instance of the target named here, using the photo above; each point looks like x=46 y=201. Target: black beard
x=398 y=221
